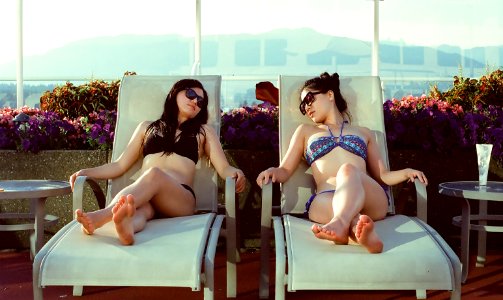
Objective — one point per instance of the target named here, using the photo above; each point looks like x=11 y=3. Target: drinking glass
x=483 y=159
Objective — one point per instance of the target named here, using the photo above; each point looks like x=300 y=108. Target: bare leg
x=162 y=192
x=91 y=221
x=124 y=211
x=128 y=219
x=322 y=232
x=341 y=212
x=366 y=236
x=153 y=190
x=347 y=202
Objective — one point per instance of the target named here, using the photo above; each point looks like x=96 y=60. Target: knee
x=347 y=170
x=152 y=176
x=153 y=173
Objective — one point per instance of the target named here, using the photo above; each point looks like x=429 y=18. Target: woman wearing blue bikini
x=170 y=148
x=347 y=168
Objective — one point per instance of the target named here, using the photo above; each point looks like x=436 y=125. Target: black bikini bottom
x=188 y=188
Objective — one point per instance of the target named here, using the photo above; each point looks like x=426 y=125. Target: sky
x=49 y=24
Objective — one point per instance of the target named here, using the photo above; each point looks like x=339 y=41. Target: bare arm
x=377 y=169
x=395 y=177
x=290 y=161
x=122 y=164
x=214 y=151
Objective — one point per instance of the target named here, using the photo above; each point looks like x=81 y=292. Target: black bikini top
x=186 y=145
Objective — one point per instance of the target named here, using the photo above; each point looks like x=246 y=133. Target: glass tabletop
x=493 y=191
x=11 y=189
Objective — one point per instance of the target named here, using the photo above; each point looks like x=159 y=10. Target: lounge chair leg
x=38 y=294
x=280 y=259
x=209 y=284
x=456 y=294
x=78 y=290
x=209 y=259
x=264 y=263
x=265 y=232
x=231 y=236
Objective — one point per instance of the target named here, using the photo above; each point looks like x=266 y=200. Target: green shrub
x=74 y=101
x=468 y=93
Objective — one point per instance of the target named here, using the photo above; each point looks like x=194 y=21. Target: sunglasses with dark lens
x=308 y=100
x=191 y=94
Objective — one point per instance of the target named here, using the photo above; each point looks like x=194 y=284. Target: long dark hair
x=167 y=124
x=326 y=82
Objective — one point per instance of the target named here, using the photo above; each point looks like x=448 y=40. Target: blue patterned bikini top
x=323 y=145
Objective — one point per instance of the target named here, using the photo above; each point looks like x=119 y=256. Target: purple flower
x=102 y=139
x=49 y=130
x=250 y=127
x=432 y=124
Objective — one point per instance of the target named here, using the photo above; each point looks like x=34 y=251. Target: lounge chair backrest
x=142 y=98
x=365 y=104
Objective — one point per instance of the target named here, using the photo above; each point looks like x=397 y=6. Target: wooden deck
x=16 y=283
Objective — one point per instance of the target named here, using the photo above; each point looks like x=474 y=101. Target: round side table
x=493 y=191
x=37 y=191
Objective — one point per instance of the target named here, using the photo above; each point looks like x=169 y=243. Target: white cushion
x=170 y=255
x=411 y=259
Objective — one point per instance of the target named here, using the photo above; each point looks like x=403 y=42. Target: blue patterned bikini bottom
x=311 y=199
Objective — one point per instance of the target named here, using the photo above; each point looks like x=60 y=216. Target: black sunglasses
x=308 y=100
x=191 y=94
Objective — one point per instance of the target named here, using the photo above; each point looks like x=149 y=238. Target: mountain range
x=282 y=51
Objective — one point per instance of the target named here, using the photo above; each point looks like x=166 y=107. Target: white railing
x=240 y=84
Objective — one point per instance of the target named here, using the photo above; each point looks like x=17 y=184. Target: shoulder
x=208 y=133
x=209 y=129
x=364 y=132
x=304 y=132
x=306 y=129
x=144 y=124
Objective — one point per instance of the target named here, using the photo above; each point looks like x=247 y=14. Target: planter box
x=60 y=164
x=50 y=164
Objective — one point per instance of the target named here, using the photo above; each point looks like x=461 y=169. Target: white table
x=37 y=191
x=493 y=191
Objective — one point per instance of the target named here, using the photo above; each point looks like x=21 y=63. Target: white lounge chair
x=168 y=252
x=415 y=257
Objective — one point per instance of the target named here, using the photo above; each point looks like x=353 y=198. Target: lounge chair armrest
x=422 y=198
x=78 y=192
x=266 y=215
x=230 y=197
x=265 y=232
x=231 y=235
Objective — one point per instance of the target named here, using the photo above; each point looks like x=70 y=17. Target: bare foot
x=124 y=211
x=86 y=221
x=332 y=232
x=366 y=235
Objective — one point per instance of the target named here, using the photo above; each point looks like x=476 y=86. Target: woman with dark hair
x=170 y=147
x=346 y=164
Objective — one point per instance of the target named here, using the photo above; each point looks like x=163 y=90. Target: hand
x=413 y=174
x=240 y=180
x=73 y=177
x=263 y=177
